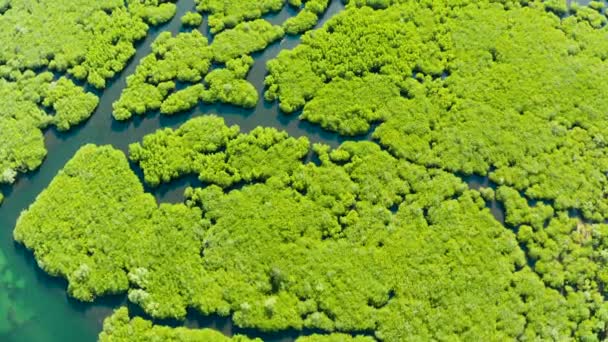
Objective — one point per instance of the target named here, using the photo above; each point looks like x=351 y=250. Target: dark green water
x=33 y=305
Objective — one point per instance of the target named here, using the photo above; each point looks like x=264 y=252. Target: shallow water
x=42 y=307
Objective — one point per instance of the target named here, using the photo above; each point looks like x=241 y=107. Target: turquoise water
x=35 y=306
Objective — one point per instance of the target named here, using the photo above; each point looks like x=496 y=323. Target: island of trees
x=48 y=47
x=351 y=244
x=372 y=240
x=120 y=328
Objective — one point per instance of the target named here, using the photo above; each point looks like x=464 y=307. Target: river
x=42 y=305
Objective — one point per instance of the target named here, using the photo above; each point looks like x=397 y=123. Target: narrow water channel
x=42 y=306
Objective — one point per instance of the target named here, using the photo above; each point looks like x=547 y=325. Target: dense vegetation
x=220 y=156
x=238 y=33
x=97 y=194
x=184 y=58
x=119 y=328
x=228 y=14
x=244 y=39
x=361 y=242
x=307 y=18
x=192 y=19
x=380 y=238
x=90 y=41
x=505 y=91
x=187 y=58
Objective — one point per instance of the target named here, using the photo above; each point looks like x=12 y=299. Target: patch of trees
x=335 y=338
x=349 y=106
x=121 y=328
x=70 y=103
x=245 y=38
x=351 y=46
x=307 y=18
x=378 y=237
x=184 y=58
x=192 y=19
x=217 y=153
x=228 y=14
x=361 y=242
x=154 y=12
x=22 y=117
x=97 y=193
x=228 y=85
x=568 y=253
x=187 y=58
x=467 y=98
x=91 y=41
x=239 y=33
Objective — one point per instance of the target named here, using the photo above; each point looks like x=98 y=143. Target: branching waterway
x=36 y=304
x=39 y=304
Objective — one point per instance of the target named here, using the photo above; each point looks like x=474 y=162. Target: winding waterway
x=42 y=306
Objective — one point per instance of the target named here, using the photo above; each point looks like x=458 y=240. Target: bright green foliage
x=168 y=154
x=120 y=328
x=227 y=14
x=361 y=242
x=307 y=18
x=518 y=211
x=185 y=58
x=90 y=39
x=163 y=258
x=569 y=255
x=95 y=195
x=154 y=12
x=205 y=146
x=21 y=148
x=21 y=120
x=509 y=91
x=226 y=88
x=96 y=227
x=304 y=21
x=381 y=238
x=391 y=46
x=71 y=104
x=335 y=338
x=597 y=5
x=229 y=85
x=192 y=19
x=182 y=100
x=348 y=106
x=244 y=39
x=592 y=14
x=559 y=7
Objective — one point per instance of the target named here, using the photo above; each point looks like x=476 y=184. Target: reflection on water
x=42 y=311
